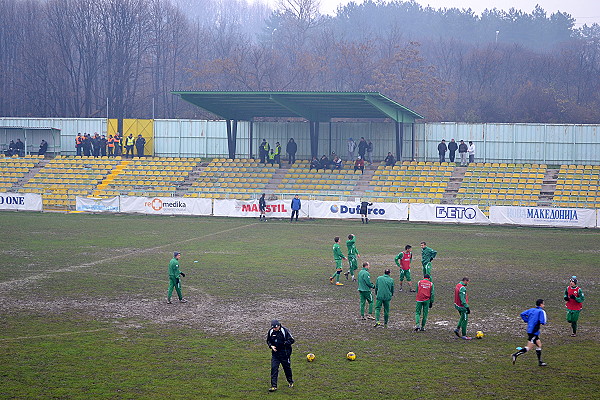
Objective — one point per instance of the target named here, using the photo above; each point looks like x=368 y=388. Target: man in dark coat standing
x=291 y=149
x=280 y=342
x=442 y=149
x=452 y=147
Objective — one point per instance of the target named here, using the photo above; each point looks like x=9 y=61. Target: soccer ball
x=310 y=357
x=351 y=356
x=479 y=335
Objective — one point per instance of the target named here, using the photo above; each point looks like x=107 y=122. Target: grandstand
x=61 y=179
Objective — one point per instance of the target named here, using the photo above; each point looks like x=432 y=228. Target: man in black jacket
x=291 y=149
x=452 y=147
x=280 y=341
x=442 y=149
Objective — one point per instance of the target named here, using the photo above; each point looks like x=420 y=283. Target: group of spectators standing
x=99 y=145
x=462 y=148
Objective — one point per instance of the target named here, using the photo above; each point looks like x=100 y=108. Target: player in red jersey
x=574 y=297
x=425 y=298
x=405 y=258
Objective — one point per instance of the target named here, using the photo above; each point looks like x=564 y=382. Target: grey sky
x=584 y=11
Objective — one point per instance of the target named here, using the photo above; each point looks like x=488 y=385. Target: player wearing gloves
x=534 y=317
x=364 y=289
x=280 y=342
x=427 y=256
x=174 y=281
x=574 y=297
x=352 y=256
x=461 y=303
x=405 y=258
x=337 y=257
x=424 y=300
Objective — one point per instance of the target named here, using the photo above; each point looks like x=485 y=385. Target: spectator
x=324 y=162
x=362 y=147
x=87 y=145
x=314 y=164
x=337 y=163
x=263 y=151
x=278 y=154
x=452 y=147
x=351 y=148
x=462 y=152
x=96 y=145
x=78 y=144
x=370 y=152
x=359 y=164
x=11 y=149
x=291 y=149
x=471 y=152
x=111 y=146
x=140 y=142
x=43 y=148
x=103 y=143
x=117 y=142
x=129 y=143
x=20 y=148
x=272 y=157
x=390 y=161
x=442 y=149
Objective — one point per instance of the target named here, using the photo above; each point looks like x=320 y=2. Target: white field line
x=72 y=268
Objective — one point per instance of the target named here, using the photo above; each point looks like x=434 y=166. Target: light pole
x=272 y=39
x=497 y=32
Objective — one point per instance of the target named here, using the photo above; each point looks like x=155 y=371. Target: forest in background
x=70 y=58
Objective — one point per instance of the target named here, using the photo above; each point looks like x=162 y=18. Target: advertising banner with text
x=90 y=204
x=540 y=216
x=243 y=208
x=461 y=214
x=166 y=205
x=351 y=209
x=21 y=201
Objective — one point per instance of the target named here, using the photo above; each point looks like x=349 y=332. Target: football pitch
x=84 y=316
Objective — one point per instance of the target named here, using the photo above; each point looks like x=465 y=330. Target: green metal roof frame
x=312 y=106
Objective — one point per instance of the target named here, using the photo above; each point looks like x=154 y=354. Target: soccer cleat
x=466 y=337
x=422 y=329
x=339 y=284
x=362 y=318
x=182 y=300
x=331 y=280
x=456 y=332
x=369 y=316
x=273 y=388
x=400 y=289
x=346 y=274
x=542 y=364
x=169 y=301
x=353 y=278
x=378 y=325
x=514 y=358
x=412 y=290
x=291 y=384
x=573 y=334
x=416 y=328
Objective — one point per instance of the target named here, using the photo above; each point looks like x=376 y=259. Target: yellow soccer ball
x=310 y=357
x=479 y=335
x=351 y=356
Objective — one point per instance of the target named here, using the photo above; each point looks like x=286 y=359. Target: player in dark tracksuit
x=280 y=342
x=534 y=317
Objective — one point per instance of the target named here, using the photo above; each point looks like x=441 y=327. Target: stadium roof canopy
x=316 y=107
x=312 y=106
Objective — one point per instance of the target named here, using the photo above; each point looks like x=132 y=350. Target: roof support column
x=314 y=138
x=250 y=155
x=231 y=136
x=399 y=140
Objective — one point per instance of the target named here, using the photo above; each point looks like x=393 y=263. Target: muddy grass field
x=83 y=310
